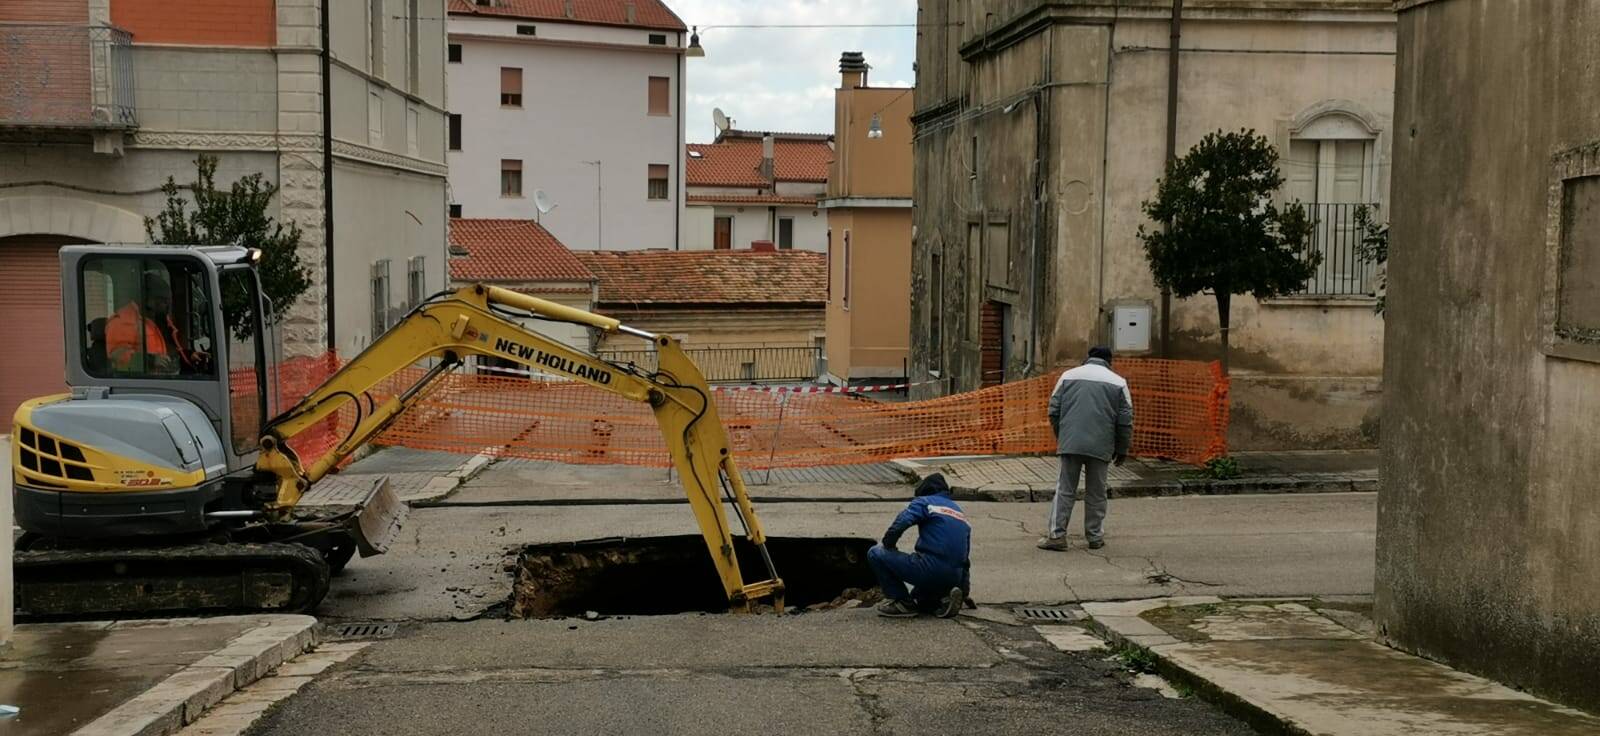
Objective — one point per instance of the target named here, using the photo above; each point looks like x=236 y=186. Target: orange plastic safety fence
x=1180 y=413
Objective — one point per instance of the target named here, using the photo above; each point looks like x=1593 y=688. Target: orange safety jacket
x=123 y=338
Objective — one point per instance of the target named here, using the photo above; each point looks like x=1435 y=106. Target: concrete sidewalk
x=139 y=678
x=1311 y=666
x=996 y=478
x=415 y=475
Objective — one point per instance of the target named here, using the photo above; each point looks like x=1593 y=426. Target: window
x=455 y=53
x=510 y=177
x=511 y=86
x=1570 y=308
x=658 y=181
x=455 y=210
x=524 y=29
x=829 y=251
x=1328 y=171
x=411 y=129
x=245 y=384
x=658 y=39
x=376 y=17
x=722 y=234
x=786 y=232
x=146 y=318
x=455 y=132
x=380 y=298
x=935 y=315
x=416 y=281
x=374 y=116
x=659 y=92
x=846 y=265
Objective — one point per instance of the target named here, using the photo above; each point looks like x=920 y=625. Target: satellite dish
x=721 y=119
x=541 y=202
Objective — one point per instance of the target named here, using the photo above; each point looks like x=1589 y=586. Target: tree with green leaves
x=1225 y=235
x=236 y=216
x=1374 y=249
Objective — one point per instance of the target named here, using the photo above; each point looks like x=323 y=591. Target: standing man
x=939 y=569
x=1091 y=414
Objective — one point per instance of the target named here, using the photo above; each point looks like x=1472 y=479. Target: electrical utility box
x=1130 y=327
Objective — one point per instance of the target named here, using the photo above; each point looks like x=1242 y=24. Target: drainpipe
x=1172 y=154
x=327 y=173
x=681 y=155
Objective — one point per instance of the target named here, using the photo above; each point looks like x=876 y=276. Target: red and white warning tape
x=872 y=389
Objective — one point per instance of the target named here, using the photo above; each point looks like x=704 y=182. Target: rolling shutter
x=30 y=311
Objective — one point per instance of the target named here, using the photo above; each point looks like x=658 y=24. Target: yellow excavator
x=165 y=480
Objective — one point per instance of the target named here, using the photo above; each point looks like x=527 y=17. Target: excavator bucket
x=377 y=522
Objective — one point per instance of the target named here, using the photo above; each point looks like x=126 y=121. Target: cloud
x=783 y=78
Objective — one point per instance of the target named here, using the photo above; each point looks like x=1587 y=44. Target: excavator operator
x=142 y=336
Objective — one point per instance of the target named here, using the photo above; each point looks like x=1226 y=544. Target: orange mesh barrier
x=1180 y=413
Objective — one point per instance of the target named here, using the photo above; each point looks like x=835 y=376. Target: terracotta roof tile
x=652 y=14
x=750 y=199
x=511 y=250
x=736 y=162
x=785 y=277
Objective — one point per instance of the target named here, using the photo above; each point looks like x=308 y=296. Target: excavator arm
x=473 y=321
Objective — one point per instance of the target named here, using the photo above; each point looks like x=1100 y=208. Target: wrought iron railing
x=1337 y=234
x=66 y=76
x=725 y=365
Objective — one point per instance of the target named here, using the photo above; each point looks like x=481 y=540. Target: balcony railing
x=725 y=365
x=65 y=76
x=1336 y=233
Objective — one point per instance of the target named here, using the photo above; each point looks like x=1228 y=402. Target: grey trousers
x=1094 y=496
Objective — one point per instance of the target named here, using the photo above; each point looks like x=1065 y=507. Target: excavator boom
x=472 y=321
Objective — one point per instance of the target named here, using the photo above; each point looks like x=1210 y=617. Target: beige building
x=869 y=229
x=102 y=100
x=1041 y=127
x=743 y=315
x=1489 y=522
x=750 y=187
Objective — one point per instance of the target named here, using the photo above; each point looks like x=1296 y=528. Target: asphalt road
x=845 y=672
x=451 y=561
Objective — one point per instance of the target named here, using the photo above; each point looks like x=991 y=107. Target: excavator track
x=201 y=578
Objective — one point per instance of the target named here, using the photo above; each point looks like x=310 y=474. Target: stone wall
x=1488 y=550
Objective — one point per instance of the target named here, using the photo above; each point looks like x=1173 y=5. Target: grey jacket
x=1091 y=412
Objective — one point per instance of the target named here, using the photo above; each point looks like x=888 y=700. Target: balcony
x=1337 y=234
x=66 y=77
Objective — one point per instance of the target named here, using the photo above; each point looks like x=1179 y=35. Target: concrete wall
x=582 y=101
x=720 y=328
x=698 y=227
x=1488 y=524
x=380 y=209
x=1086 y=97
x=7 y=590
x=871 y=167
x=753 y=222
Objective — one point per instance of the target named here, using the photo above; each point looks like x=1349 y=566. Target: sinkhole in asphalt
x=665 y=575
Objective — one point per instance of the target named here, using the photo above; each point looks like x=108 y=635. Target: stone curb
x=444 y=485
x=181 y=698
x=1017 y=492
x=1120 y=625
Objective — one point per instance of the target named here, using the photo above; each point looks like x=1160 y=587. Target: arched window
x=1332 y=160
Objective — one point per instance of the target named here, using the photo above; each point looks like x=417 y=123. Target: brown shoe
x=1096 y=543
x=1054 y=544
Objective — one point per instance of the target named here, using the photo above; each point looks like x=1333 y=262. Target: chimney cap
x=852 y=61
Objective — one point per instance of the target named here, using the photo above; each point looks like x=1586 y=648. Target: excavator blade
x=377 y=522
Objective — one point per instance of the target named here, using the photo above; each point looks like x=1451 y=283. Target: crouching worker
x=938 y=570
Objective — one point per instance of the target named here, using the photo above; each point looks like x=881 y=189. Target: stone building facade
x=1041 y=127
x=254 y=83
x=1489 y=521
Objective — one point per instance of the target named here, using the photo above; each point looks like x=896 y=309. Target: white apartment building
x=580 y=100
x=751 y=187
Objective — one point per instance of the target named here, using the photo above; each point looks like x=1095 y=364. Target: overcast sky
x=782 y=79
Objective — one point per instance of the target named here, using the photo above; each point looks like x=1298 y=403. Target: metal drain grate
x=1053 y=615
x=367 y=630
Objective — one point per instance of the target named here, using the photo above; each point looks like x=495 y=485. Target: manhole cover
x=1046 y=614
x=361 y=631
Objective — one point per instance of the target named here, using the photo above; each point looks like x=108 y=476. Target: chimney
x=763 y=246
x=566 y=9
x=853 y=70
x=768 y=169
x=630 y=10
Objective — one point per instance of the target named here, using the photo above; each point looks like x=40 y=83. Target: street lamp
x=695 y=50
x=875 y=128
